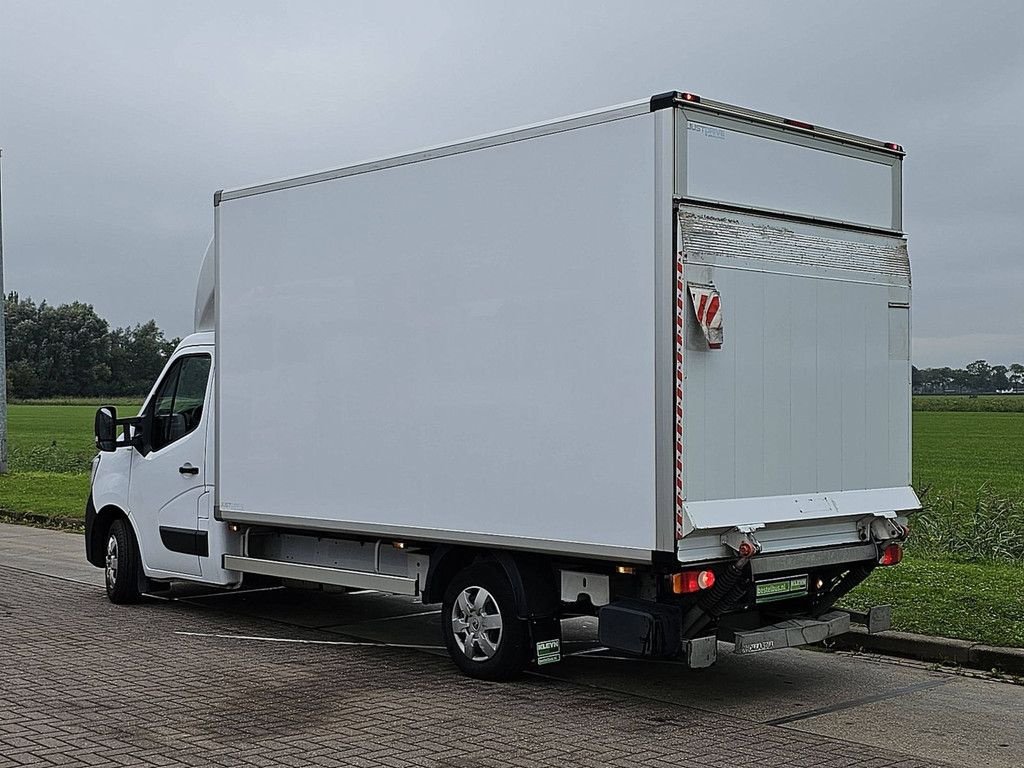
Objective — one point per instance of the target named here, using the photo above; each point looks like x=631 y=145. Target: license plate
x=780 y=589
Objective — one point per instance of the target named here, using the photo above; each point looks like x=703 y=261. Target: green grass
x=55 y=494
x=974 y=403
x=964 y=451
x=981 y=601
x=51 y=447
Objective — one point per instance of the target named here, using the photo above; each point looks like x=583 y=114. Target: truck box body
x=461 y=346
x=499 y=342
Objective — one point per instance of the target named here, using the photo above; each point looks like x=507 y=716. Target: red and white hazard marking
x=679 y=337
x=707 y=304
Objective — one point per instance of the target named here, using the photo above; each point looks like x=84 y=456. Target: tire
x=121 y=564
x=482 y=633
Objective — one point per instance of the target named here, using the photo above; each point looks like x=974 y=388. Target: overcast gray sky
x=118 y=121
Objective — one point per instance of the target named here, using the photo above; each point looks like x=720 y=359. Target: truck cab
x=158 y=481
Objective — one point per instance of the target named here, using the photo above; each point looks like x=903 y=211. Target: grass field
x=963 y=575
x=964 y=451
x=51 y=447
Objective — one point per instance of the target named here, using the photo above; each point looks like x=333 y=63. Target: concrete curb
x=937 y=649
x=42 y=521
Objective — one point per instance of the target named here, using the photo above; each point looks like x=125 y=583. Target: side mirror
x=105 y=428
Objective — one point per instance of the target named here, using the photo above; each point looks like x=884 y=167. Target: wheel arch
x=445 y=561
x=532 y=577
x=96 y=533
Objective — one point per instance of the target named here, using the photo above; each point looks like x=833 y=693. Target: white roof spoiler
x=204 y=316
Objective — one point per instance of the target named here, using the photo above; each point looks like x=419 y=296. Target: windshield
x=736 y=167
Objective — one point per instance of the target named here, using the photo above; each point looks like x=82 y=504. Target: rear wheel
x=483 y=635
x=121 y=564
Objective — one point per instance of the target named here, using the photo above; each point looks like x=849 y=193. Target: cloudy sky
x=118 y=121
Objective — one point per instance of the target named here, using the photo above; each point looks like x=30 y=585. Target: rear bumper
x=786 y=634
x=633 y=628
x=793 y=632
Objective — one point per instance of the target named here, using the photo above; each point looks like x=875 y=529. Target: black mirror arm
x=129 y=427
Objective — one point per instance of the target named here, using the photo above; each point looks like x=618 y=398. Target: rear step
x=787 y=633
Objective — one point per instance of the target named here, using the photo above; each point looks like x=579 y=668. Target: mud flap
x=546 y=640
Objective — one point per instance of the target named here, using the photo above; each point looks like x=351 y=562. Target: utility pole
x=3 y=337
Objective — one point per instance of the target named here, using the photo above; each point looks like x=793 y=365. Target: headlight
x=95 y=466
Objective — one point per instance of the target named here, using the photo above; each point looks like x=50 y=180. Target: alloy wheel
x=476 y=623
x=111 y=562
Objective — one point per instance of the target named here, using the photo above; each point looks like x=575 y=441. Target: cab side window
x=178 y=404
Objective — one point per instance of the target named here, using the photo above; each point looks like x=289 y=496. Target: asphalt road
x=287 y=677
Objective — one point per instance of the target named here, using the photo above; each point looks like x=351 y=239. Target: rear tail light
x=687 y=582
x=893 y=146
x=891 y=555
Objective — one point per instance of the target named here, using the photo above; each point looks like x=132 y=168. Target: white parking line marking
x=390 y=618
x=230 y=593
x=309 y=642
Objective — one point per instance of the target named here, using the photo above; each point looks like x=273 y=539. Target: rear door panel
x=810 y=391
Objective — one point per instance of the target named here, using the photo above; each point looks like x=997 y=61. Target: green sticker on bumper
x=781 y=589
x=548 y=652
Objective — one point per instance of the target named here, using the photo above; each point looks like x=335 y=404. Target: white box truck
x=649 y=363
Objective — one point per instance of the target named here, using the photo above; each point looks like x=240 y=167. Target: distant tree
x=69 y=350
x=76 y=349
x=1017 y=375
x=979 y=376
x=999 y=379
x=23 y=340
x=137 y=355
x=946 y=379
x=959 y=379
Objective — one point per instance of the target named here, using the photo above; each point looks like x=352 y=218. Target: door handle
x=188 y=469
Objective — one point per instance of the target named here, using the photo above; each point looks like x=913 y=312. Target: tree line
x=70 y=351
x=978 y=378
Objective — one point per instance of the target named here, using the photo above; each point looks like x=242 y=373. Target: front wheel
x=483 y=635
x=121 y=564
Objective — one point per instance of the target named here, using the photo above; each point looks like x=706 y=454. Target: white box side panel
x=463 y=344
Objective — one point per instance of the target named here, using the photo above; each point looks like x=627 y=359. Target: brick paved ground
x=83 y=682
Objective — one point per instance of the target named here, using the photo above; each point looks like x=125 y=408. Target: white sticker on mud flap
x=548 y=652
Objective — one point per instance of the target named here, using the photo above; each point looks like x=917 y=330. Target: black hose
x=723 y=586
x=727 y=588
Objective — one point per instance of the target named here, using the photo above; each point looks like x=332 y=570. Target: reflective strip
x=680 y=335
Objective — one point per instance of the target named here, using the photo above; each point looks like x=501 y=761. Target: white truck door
x=166 y=482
